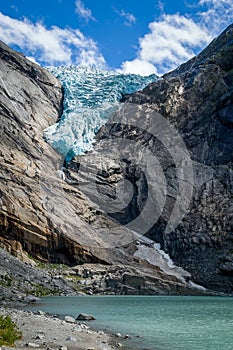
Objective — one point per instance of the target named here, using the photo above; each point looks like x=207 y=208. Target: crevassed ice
x=90 y=97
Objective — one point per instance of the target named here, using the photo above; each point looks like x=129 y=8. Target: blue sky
x=134 y=36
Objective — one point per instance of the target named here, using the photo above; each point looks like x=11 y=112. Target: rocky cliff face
x=196 y=101
x=35 y=206
x=48 y=217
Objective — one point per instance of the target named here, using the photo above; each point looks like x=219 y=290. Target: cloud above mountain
x=115 y=37
x=50 y=46
x=173 y=39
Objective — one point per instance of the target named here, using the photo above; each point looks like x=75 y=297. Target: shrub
x=8 y=331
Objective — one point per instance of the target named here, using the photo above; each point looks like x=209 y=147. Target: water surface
x=163 y=323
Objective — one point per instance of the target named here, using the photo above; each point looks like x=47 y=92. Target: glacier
x=90 y=97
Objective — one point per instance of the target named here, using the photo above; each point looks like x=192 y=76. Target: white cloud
x=218 y=15
x=215 y=2
x=129 y=18
x=50 y=46
x=160 y=6
x=138 y=66
x=83 y=11
x=32 y=59
x=173 y=39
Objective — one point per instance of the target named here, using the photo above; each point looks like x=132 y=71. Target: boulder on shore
x=69 y=319
x=85 y=317
x=31 y=299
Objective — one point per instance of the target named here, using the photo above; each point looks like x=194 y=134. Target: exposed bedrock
x=37 y=208
x=196 y=100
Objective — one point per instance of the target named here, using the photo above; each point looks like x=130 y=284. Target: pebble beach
x=42 y=331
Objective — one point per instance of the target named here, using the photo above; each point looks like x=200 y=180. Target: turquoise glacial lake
x=162 y=322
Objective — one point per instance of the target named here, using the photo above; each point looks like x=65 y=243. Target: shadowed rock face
x=197 y=100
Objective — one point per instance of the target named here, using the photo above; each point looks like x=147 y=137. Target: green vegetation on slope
x=8 y=331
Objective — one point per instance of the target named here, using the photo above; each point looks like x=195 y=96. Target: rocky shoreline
x=23 y=282
x=39 y=330
x=42 y=331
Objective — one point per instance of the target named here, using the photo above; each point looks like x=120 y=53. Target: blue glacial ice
x=90 y=97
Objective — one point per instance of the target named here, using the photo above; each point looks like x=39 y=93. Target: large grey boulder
x=31 y=299
x=69 y=319
x=85 y=317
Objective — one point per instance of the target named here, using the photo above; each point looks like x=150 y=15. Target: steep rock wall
x=31 y=100
x=197 y=100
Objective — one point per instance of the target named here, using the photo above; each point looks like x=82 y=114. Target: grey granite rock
x=31 y=299
x=196 y=100
x=69 y=319
x=85 y=317
x=33 y=194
